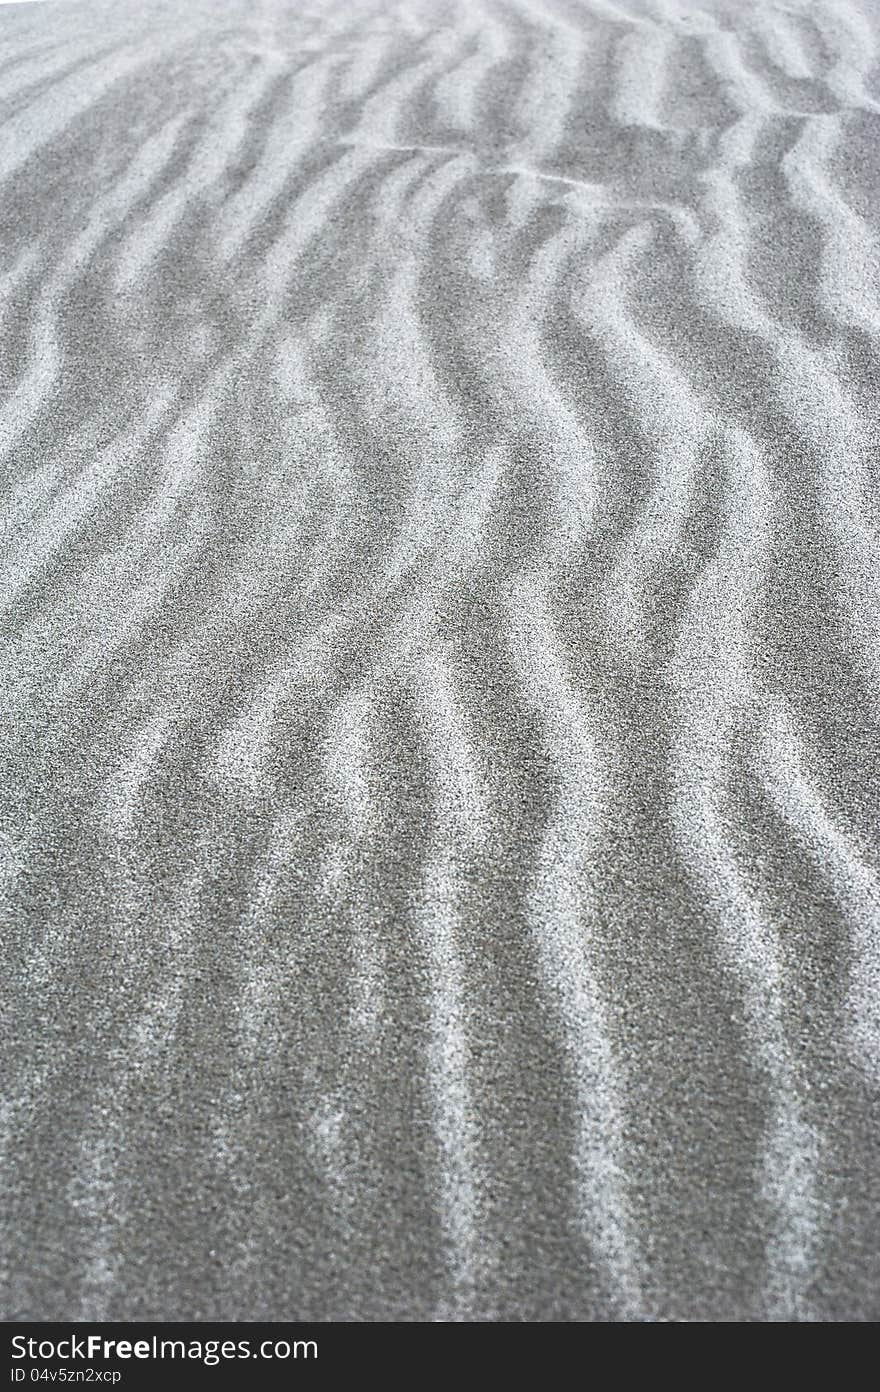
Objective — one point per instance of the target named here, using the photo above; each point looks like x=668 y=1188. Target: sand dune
x=440 y=663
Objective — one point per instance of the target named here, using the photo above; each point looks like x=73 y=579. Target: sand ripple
x=440 y=671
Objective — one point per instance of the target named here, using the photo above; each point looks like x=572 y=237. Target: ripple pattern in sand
x=440 y=662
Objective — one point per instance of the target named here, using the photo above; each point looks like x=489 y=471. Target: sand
x=440 y=661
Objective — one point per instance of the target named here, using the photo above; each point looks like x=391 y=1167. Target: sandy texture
x=440 y=659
